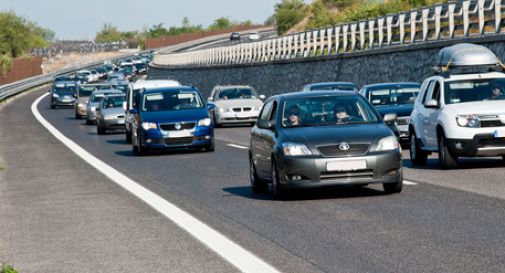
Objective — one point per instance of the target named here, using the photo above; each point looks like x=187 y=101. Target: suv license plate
x=499 y=133
x=350 y=165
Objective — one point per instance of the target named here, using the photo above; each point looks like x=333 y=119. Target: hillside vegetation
x=294 y=15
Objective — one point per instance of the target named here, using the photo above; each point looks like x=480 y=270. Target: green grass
x=7 y=269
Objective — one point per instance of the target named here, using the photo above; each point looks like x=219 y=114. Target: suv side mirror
x=390 y=117
x=263 y=97
x=265 y=124
x=432 y=104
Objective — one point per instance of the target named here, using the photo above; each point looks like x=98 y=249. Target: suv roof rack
x=466 y=58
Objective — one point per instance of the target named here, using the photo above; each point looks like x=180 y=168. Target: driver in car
x=341 y=116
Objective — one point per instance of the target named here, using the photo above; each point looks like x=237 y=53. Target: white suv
x=461 y=112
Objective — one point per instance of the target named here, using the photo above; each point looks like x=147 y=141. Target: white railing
x=435 y=23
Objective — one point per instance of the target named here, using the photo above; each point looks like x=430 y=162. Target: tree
x=220 y=23
x=288 y=13
x=108 y=34
x=157 y=31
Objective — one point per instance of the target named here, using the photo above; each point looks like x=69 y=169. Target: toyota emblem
x=344 y=146
x=178 y=126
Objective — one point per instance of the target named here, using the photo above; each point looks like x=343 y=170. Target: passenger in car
x=495 y=93
x=341 y=114
x=294 y=115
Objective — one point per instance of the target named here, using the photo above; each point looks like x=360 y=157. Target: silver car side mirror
x=262 y=97
x=432 y=104
x=391 y=117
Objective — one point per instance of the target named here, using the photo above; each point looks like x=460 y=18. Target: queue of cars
x=331 y=133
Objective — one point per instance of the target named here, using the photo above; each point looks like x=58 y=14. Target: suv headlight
x=149 y=125
x=295 y=149
x=471 y=121
x=388 y=143
x=204 y=122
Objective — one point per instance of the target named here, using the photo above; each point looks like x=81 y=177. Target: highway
x=443 y=221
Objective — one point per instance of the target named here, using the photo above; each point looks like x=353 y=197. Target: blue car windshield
x=171 y=101
x=327 y=111
x=393 y=95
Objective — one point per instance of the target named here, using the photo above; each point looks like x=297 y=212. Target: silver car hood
x=113 y=111
x=239 y=103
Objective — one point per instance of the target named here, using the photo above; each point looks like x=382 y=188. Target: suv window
x=428 y=90
x=435 y=95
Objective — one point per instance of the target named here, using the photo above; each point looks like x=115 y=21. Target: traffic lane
x=478 y=175
x=426 y=228
x=58 y=214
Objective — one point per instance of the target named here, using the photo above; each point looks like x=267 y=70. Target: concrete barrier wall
x=403 y=63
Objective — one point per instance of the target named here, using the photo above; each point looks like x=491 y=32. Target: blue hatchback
x=175 y=117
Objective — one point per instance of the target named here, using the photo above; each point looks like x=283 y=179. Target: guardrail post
x=307 y=44
x=466 y=19
x=413 y=29
x=389 y=27
x=480 y=12
x=362 y=26
x=337 y=38
x=450 y=12
x=438 y=12
x=424 y=14
x=345 y=28
x=353 y=36
x=295 y=45
x=315 y=34
x=401 y=25
x=497 y=16
x=301 y=38
x=380 y=28
x=329 y=39
x=371 y=30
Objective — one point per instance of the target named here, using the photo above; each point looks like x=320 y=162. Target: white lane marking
x=237 y=146
x=239 y=257
x=406 y=182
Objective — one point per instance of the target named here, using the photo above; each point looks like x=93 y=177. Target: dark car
x=397 y=98
x=234 y=36
x=168 y=118
x=327 y=86
x=63 y=93
x=314 y=139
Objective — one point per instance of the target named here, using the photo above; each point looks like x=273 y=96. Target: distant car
x=110 y=113
x=317 y=139
x=397 y=98
x=131 y=98
x=254 y=35
x=141 y=67
x=83 y=93
x=117 y=76
x=63 y=78
x=63 y=93
x=171 y=118
x=86 y=74
x=325 y=86
x=94 y=101
x=122 y=85
x=234 y=104
x=234 y=36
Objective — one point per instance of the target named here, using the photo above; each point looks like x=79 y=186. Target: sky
x=81 y=20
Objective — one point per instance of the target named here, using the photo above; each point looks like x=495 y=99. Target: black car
x=397 y=98
x=234 y=36
x=313 y=139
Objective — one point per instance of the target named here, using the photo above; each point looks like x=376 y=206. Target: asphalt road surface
x=448 y=221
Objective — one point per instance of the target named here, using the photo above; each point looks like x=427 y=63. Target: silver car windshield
x=112 y=102
x=474 y=90
x=171 y=101
x=237 y=93
x=327 y=111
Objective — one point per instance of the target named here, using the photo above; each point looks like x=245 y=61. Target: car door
x=258 y=146
x=268 y=141
x=421 y=113
x=433 y=114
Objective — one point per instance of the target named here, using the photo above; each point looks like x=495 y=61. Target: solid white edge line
x=239 y=257
x=237 y=146
x=406 y=182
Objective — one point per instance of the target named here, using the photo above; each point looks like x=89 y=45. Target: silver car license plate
x=348 y=165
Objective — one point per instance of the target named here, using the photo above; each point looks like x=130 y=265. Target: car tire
x=217 y=125
x=128 y=137
x=77 y=116
x=445 y=158
x=138 y=149
x=417 y=156
x=210 y=147
x=390 y=188
x=257 y=184
x=100 y=130
x=89 y=122
x=53 y=106
x=277 y=191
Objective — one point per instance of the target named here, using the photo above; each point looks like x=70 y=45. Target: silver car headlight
x=55 y=95
x=471 y=121
x=149 y=125
x=93 y=108
x=295 y=149
x=204 y=122
x=222 y=109
x=388 y=143
x=81 y=105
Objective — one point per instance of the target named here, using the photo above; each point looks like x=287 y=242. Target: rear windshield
x=474 y=90
x=393 y=95
x=171 y=101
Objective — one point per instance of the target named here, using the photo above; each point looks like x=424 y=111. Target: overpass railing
x=435 y=23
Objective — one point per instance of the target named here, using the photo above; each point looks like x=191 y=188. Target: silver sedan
x=110 y=113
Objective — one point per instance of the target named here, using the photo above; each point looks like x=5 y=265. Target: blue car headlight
x=204 y=122
x=149 y=125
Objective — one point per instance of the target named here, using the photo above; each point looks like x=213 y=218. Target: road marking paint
x=239 y=257
x=237 y=146
x=406 y=182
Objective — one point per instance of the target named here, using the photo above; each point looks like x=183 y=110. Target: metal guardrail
x=434 y=23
